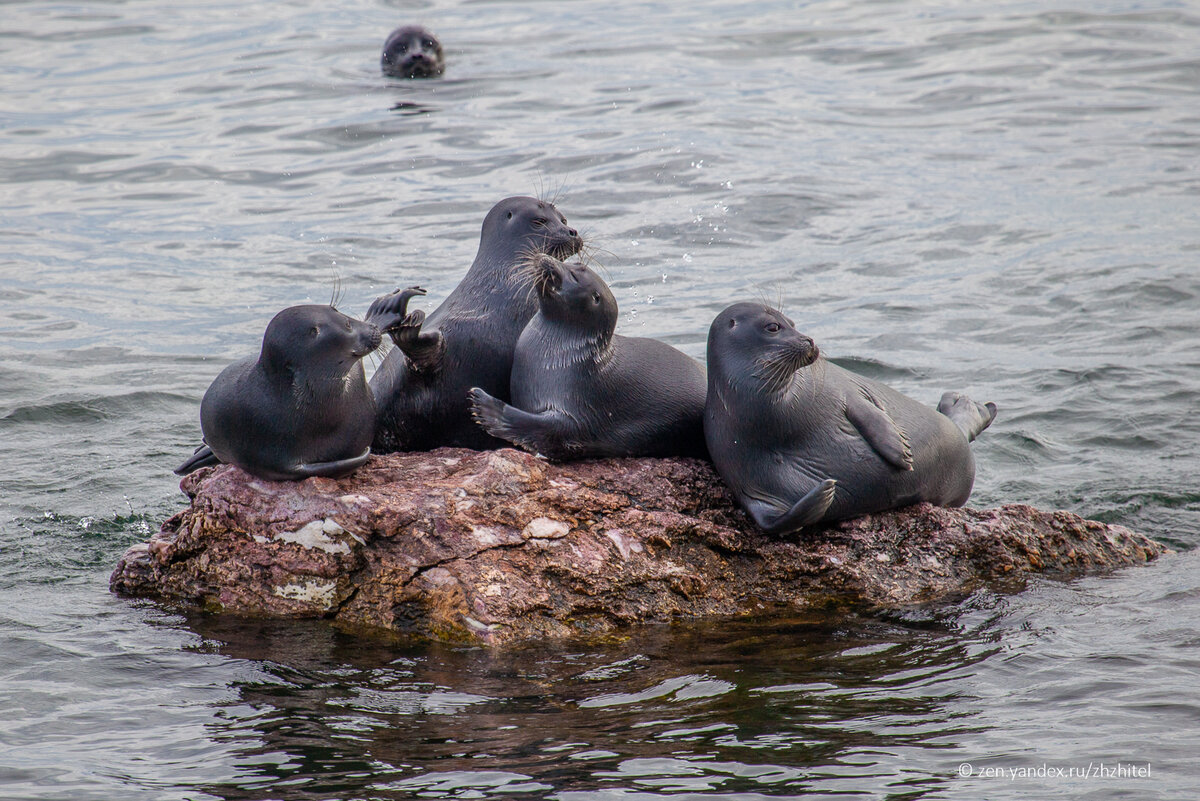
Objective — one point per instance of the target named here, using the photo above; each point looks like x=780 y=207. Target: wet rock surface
x=497 y=546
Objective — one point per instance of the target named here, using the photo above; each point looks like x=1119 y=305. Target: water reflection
x=759 y=707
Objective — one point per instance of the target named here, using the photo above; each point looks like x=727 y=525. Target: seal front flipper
x=806 y=511
x=335 y=469
x=389 y=312
x=550 y=433
x=971 y=417
x=203 y=457
x=878 y=428
x=425 y=351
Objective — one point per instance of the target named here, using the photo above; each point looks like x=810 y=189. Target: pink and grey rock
x=497 y=546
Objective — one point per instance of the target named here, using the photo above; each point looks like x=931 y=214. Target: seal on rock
x=468 y=341
x=581 y=391
x=412 y=52
x=302 y=408
x=802 y=441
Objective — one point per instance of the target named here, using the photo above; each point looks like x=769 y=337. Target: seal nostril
x=573 y=233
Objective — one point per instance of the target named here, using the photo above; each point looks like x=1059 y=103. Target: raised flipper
x=552 y=433
x=878 y=428
x=808 y=510
x=203 y=457
x=390 y=314
x=331 y=469
x=969 y=416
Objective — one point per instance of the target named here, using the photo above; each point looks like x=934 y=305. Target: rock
x=497 y=546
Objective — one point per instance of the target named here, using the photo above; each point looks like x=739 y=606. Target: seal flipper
x=203 y=457
x=548 y=433
x=390 y=312
x=335 y=469
x=971 y=417
x=878 y=428
x=424 y=350
x=806 y=511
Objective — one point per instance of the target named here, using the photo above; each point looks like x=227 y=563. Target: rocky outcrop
x=499 y=545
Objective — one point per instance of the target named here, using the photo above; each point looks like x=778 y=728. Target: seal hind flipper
x=806 y=511
x=971 y=417
x=548 y=433
x=203 y=457
x=879 y=430
x=335 y=469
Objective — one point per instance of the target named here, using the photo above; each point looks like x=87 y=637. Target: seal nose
x=571 y=232
x=809 y=348
x=369 y=339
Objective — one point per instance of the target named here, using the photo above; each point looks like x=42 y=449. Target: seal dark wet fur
x=302 y=408
x=802 y=441
x=412 y=52
x=581 y=391
x=468 y=341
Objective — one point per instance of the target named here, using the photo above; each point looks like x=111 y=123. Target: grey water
x=1000 y=198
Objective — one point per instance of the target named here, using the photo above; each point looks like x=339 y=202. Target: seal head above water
x=581 y=391
x=412 y=52
x=801 y=441
x=468 y=341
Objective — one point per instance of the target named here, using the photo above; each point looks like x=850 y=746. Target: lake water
x=1001 y=198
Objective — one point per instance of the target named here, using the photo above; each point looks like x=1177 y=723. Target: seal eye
x=427 y=43
x=772 y=328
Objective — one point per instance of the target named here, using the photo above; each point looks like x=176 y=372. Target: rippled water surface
x=995 y=197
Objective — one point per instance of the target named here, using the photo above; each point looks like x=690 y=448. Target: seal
x=468 y=341
x=412 y=52
x=581 y=391
x=302 y=408
x=802 y=441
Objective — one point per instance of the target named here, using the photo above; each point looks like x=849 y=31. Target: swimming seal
x=468 y=341
x=802 y=441
x=581 y=391
x=302 y=408
x=412 y=52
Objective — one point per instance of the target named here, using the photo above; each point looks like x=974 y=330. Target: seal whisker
x=556 y=194
x=591 y=248
x=336 y=291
